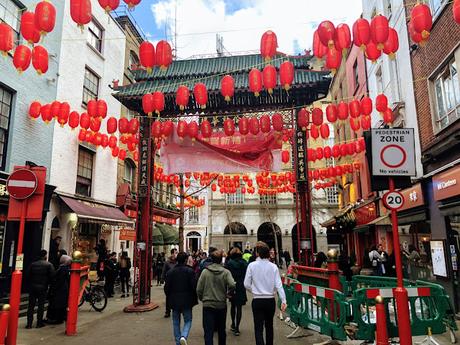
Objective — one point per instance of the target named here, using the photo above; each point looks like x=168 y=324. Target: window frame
x=86 y=90
x=235 y=198
x=268 y=200
x=99 y=45
x=129 y=164
x=80 y=180
x=4 y=153
x=436 y=12
x=194 y=215
x=132 y=53
x=16 y=30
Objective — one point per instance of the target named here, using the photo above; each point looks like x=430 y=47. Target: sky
x=241 y=23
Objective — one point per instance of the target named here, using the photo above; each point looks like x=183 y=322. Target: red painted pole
x=16 y=281
x=4 y=322
x=381 y=336
x=333 y=270
x=400 y=293
x=74 y=293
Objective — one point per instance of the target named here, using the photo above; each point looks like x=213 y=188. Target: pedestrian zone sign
x=393 y=152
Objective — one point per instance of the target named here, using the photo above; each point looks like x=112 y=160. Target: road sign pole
x=400 y=293
x=16 y=280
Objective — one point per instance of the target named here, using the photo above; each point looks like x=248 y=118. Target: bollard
x=4 y=315
x=74 y=293
x=381 y=337
x=333 y=270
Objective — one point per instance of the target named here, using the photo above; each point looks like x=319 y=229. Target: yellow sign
x=20 y=262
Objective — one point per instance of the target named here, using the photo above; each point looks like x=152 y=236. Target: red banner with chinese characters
x=365 y=214
x=226 y=154
x=127 y=235
x=165 y=220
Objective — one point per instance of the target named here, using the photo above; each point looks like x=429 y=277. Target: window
x=447 y=95
x=436 y=6
x=84 y=172
x=10 y=13
x=379 y=80
x=6 y=100
x=356 y=74
x=95 y=33
x=268 y=199
x=193 y=215
x=332 y=195
x=133 y=59
x=388 y=9
x=130 y=172
x=235 y=199
x=394 y=71
x=90 y=86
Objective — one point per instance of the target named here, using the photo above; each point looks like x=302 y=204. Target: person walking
x=263 y=280
x=124 y=266
x=376 y=261
x=180 y=290
x=237 y=267
x=111 y=273
x=101 y=251
x=287 y=258
x=59 y=292
x=159 y=264
x=214 y=284
x=40 y=275
x=169 y=264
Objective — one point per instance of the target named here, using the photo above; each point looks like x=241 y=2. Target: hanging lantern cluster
x=267 y=78
x=150 y=57
x=330 y=176
x=421 y=22
x=381 y=105
x=336 y=151
x=153 y=103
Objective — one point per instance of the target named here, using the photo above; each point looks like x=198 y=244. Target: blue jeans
x=176 y=324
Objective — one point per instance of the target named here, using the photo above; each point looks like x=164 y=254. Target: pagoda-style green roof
x=307 y=87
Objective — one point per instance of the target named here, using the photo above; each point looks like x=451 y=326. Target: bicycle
x=95 y=295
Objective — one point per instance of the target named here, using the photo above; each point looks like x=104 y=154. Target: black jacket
x=180 y=288
x=237 y=268
x=59 y=289
x=40 y=273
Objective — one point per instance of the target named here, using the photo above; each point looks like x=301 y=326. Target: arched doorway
x=295 y=243
x=266 y=234
x=193 y=241
x=235 y=228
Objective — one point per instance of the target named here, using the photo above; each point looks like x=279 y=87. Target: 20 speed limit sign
x=393 y=200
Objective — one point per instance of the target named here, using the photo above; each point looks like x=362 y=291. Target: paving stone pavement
x=114 y=327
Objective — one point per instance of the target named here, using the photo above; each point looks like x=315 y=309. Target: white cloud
x=198 y=21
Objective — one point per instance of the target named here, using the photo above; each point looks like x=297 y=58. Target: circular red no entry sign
x=22 y=184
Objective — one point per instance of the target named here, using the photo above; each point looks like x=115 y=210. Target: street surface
x=113 y=327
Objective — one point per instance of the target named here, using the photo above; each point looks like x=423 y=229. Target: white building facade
x=83 y=209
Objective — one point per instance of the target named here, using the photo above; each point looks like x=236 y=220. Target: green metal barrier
x=429 y=306
x=321 y=309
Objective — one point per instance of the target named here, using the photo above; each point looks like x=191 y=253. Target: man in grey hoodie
x=213 y=287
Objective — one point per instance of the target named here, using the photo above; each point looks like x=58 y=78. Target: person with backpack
x=124 y=266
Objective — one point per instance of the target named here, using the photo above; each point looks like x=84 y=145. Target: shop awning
x=383 y=220
x=169 y=233
x=157 y=236
x=95 y=212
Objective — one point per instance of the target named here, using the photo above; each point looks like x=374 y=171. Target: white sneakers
x=183 y=341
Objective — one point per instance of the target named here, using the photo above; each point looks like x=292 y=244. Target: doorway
x=193 y=241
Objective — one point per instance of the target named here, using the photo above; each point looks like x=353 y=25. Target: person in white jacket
x=263 y=281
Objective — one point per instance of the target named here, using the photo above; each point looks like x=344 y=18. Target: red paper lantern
x=213 y=187
x=342 y=37
x=158 y=102
x=324 y=130
x=22 y=57
x=229 y=127
x=201 y=95
x=361 y=33
x=163 y=55
x=326 y=33
x=95 y=124
x=133 y=126
x=366 y=106
x=80 y=11
x=155 y=130
x=115 y=151
x=265 y=124
x=255 y=81
x=147 y=104
x=123 y=125
x=372 y=52
x=355 y=124
x=112 y=124
x=314 y=133
x=28 y=28
x=277 y=122
x=147 y=55
x=182 y=97
x=317 y=116
x=388 y=116
x=206 y=129
x=82 y=135
x=109 y=5
x=254 y=125
x=74 y=119
x=101 y=109
x=285 y=156
x=227 y=87
x=343 y=150
x=91 y=107
x=122 y=153
x=342 y=110
x=132 y=3
x=243 y=126
x=286 y=74
x=331 y=113
x=64 y=113
x=113 y=141
x=319 y=153
x=181 y=129
x=392 y=44
x=40 y=59
x=379 y=31
x=45 y=113
x=336 y=151
x=34 y=109
x=365 y=122
x=333 y=59
x=55 y=108
x=355 y=108
x=381 y=103
x=45 y=17
x=422 y=20
x=303 y=119
x=192 y=130
x=104 y=140
x=269 y=78
x=327 y=151
x=456 y=11
x=167 y=128
x=319 y=49
x=268 y=45
x=85 y=121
